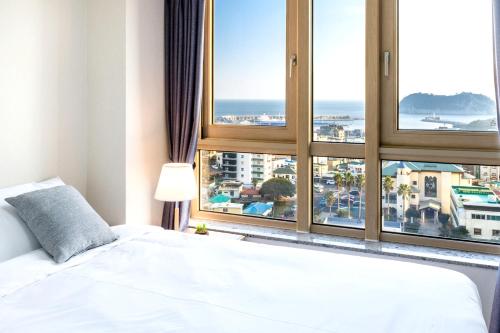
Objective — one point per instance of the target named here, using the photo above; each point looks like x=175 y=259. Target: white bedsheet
x=162 y=281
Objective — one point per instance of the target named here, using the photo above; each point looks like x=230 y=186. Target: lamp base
x=176 y=218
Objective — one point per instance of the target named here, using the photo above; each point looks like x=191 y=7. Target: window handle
x=292 y=63
x=387 y=57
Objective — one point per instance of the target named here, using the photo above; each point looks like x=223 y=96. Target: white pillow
x=15 y=237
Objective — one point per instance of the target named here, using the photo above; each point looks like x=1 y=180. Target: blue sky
x=250 y=59
x=250 y=49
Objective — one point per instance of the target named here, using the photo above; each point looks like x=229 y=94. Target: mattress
x=152 y=280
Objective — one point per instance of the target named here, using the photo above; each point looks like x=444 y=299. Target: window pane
x=441 y=200
x=250 y=62
x=339 y=70
x=446 y=77
x=339 y=191
x=260 y=185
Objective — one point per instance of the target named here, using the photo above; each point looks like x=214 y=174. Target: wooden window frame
x=287 y=133
x=382 y=141
x=391 y=134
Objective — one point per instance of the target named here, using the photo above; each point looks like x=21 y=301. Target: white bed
x=152 y=280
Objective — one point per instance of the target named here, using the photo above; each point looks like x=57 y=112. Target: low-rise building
x=259 y=208
x=227 y=207
x=286 y=173
x=477 y=208
x=250 y=194
x=430 y=187
x=230 y=188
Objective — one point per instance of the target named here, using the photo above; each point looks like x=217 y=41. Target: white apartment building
x=478 y=209
x=489 y=173
x=244 y=167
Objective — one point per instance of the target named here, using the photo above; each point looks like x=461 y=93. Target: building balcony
x=230 y=156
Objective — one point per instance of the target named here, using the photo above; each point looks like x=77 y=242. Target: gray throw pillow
x=62 y=221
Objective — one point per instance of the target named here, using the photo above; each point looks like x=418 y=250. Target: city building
x=246 y=168
x=230 y=188
x=476 y=208
x=227 y=207
x=430 y=187
x=489 y=173
x=250 y=194
x=287 y=173
x=259 y=208
x=332 y=132
x=261 y=168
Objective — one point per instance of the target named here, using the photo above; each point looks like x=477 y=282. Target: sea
x=354 y=109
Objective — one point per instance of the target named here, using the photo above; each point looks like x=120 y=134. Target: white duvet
x=163 y=281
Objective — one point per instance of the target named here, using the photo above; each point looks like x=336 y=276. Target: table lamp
x=177 y=183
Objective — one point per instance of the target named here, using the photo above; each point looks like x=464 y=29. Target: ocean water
x=274 y=107
x=354 y=109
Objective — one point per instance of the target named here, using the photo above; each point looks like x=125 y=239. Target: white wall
x=81 y=96
x=485 y=279
x=146 y=138
x=42 y=91
x=106 y=108
x=127 y=141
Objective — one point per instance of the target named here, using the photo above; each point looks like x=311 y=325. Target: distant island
x=421 y=103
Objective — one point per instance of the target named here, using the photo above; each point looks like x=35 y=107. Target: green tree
x=330 y=200
x=277 y=187
x=412 y=212
x=342 y=213
x=360 y=184
x=412 y=227
x=404 y=191
x=339 y=179
x=388 y=186
x=349 y=182
x=448 y=230
x=460 y=232
x=444 y=218
x=255 y=181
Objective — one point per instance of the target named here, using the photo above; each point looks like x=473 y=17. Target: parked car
x=318 y=188
x=330 y=182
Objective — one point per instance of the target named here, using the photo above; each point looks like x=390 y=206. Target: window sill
x=471 y=259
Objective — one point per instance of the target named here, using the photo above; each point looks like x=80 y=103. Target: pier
x=264 y=118
x=437 y=120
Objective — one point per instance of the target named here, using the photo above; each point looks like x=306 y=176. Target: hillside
x=470 y=103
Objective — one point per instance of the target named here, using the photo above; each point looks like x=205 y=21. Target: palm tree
x=255 y=181
x=404 y=190
x=388 y=186
x=360 y=184
x=349 y=181
x=330 y=200
x=339 y=179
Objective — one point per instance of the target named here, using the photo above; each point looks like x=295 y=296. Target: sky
x=445 y=50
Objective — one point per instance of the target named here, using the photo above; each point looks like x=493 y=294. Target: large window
x=368 y=119
x=441 y=200
x=339 y=192
x=250 y=62
x=446 y=77
x=339 y=71
x=259 y=185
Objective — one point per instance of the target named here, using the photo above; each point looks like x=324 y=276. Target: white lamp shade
x=176 y=183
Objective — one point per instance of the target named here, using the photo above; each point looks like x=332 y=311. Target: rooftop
x=259 y=208
x=226 y=205
x=250 y=191
x=475 y=195
x=221 y=198
x=391 y=169
x=284 y=171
